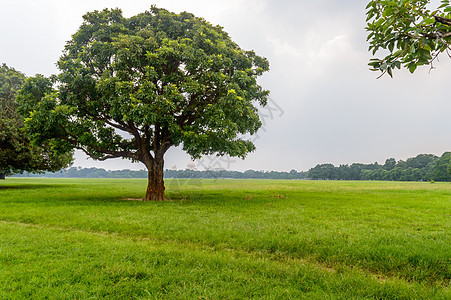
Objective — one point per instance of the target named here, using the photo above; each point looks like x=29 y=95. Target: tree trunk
x=2 y=176
x=155 y=186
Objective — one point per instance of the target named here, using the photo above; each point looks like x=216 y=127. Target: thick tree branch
x=113 y=154
x=109 y=153
x=143 y=143
x=442 y=20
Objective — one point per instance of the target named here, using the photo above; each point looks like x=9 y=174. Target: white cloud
x=316 y=55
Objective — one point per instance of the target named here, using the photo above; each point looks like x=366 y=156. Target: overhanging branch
x=442 y=20
x=108 y=153
x=111 y=154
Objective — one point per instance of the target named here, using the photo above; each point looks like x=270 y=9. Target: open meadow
x=224 y=239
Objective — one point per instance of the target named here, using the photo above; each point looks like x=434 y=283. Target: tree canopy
x=409 y=33
x=17 y=152
x=134 y=87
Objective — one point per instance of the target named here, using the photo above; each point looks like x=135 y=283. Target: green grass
x=224 y=239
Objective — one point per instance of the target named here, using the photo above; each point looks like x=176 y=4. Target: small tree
x=17 y=153
x=408 y=32
x=134 y=87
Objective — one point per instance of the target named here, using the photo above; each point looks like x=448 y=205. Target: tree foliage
x=17 y=153
x=408 y=32
x=134 y=87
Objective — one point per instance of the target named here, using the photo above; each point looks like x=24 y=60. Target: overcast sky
x=327 y=107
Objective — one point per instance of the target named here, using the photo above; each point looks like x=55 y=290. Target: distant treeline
x=249 y=174
x=423 y=167
x=101 y=173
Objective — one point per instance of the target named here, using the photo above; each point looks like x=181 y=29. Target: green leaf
x=370 y=4
x=412 y=67
x=391 y=45
x=389 y=71
x=428 y=21
x=379 y=22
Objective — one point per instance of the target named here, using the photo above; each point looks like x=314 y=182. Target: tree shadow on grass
x=33 y=186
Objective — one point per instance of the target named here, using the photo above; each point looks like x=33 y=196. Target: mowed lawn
x=224 y=239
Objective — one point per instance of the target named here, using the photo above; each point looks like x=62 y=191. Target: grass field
x=224 y=239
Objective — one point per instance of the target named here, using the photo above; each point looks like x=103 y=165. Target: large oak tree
x=17 y=152
x=134 y=87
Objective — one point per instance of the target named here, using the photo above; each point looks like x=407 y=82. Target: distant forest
x=423 y=167
x=101 y=173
